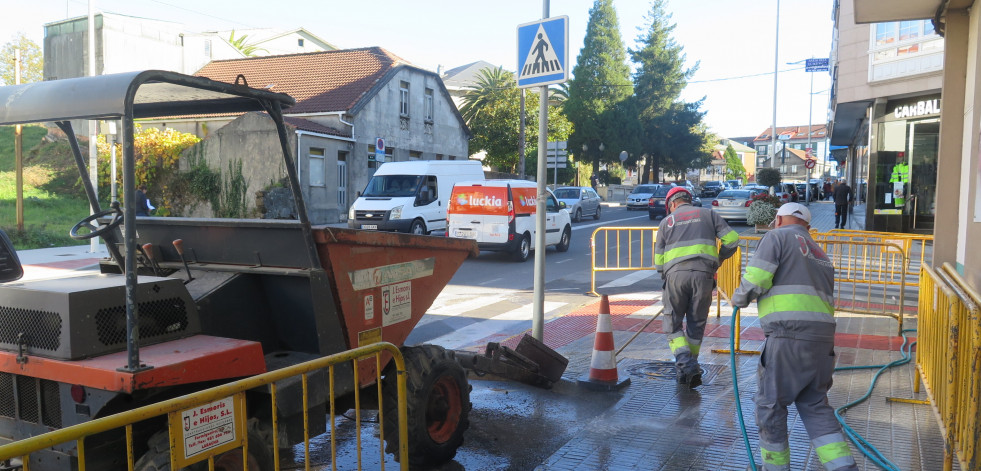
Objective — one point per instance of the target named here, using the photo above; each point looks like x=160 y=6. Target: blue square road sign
x=543 y=52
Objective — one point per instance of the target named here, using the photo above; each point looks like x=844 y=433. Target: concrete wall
x=969 y=228
x=380 y=118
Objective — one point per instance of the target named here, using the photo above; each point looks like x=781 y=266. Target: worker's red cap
x=675 y=191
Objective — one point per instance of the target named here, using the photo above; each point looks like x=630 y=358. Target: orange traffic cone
x=603 y=373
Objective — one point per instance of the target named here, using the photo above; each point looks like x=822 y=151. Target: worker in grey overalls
x=792 y=280
x=687 y=257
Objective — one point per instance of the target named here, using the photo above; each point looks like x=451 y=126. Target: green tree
x=658 y=82
x=683 y=140
x=768 y=176
x=601 y=82
x=32 y=65
x=491 y=108
x=245 y=48
x=734 y=165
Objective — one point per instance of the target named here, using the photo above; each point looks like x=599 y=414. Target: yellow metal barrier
x=235 y=391
x=869 y=276
x=609 y=244
x=947 y=355
x=916 y=247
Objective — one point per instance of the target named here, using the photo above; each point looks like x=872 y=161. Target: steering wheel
x=117 y=219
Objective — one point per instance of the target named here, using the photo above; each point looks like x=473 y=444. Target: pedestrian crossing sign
x=543 y=52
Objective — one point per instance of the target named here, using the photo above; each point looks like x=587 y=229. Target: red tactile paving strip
x=582 y=322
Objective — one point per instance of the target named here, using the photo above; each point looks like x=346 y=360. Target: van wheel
x=578 y=216
x=417 y=228
x=598 y=210
x=563 y=245
x=524 y=249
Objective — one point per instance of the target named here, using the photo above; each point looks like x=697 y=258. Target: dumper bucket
x=384 y=282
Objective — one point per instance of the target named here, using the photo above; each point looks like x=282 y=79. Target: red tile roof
x=307 y=125
x=319 y=81
x=818 y=131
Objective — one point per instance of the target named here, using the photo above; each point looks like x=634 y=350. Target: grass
x=51 y=204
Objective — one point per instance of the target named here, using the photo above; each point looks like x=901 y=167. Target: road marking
x=630 y=279
x=603 y=223
x=490 y=281
x=455 y=309
x=563 y=261
x=511 y=320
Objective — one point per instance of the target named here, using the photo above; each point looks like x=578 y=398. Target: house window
x=316 y=157
x=415 y=155
x=793 y=169
x=299 y=42
x=428 y=106
x=439 y=156
x=404 y=99
x=342 y=180
x=783 y=169
x=904 y=38
x=452 y=157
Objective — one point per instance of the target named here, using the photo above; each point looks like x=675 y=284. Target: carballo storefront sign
x=912 y=109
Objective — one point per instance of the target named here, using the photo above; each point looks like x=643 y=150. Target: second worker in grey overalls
x=687 y=256
x=793 y=280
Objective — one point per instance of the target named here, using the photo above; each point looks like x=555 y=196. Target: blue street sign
x=816 y=65
x=543 y=52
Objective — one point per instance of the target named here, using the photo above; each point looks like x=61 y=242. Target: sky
x=731 y=41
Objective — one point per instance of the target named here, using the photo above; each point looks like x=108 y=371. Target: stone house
x=346 y=100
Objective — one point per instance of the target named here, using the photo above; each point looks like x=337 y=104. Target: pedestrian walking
x=687 y=257
x=792 y=280
x=827 y=190
x=594 y=181
x=842 y=196
x=141 y=202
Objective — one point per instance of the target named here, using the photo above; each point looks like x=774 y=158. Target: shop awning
x=848 y=121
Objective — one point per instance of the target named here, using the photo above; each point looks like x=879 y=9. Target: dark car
x=655 y=206
x=712 y=188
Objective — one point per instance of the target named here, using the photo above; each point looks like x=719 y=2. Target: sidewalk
x=659 y=425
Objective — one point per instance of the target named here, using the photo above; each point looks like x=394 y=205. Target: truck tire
x=523 y=250
x=438 y=406
x=563 y=245
x=157 y=458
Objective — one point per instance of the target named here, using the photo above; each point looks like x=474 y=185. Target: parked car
x=713 y=188
x=655 y=206
x=802 y=191
x=580 y=201
x=734 y=204
x=638 y=198
x=787 y=192
x=734 y=184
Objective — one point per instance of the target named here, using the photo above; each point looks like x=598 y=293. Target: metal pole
x=810 y=111
x=93 y=150
x=521 y=138
x=776 y=62
x=538 y=314
x=19 y=153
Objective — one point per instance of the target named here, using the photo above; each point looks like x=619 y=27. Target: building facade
x=885 y=110
x=716 y=170
x=125 y=44
x=346 y=101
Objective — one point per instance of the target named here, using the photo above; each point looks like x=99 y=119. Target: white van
x=500 y=216
x=410 y=196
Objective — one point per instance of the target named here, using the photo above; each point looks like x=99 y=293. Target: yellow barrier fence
x=609 y=245
x=233 y=394
x=918 y=248
x=869 y=276
x=947 y=355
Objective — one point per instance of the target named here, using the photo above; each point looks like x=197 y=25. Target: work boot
x=695 y=380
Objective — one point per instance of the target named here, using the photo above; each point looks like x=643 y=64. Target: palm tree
x=492 y=84
x=247 y=50
x=558 y=94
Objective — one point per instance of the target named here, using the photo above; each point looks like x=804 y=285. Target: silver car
x=734 y=204
x=579 y=201
x=641 y=195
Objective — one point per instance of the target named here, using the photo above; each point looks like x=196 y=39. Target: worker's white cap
x=796 y=210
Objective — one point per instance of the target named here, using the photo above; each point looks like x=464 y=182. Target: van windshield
x=392 y=185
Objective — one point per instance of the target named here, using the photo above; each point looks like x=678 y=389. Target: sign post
x=812 y=65
x=380 y=150
x=543 y=59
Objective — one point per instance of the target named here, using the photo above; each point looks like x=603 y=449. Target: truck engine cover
x=85 y=316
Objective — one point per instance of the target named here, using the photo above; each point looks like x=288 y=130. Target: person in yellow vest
x=900 y=177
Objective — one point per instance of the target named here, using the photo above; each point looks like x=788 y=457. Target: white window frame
x=893 y=44
x=428 y=105
x=403 y=99
x=793 y=169
x=316 y=157
x=342 y=180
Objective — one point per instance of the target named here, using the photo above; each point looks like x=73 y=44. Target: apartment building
x=885 y=109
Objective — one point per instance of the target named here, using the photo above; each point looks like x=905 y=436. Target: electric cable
x=735 y=385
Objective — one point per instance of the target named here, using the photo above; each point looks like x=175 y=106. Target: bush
x=761 y=212
x=768 y=176
x=773 y=200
